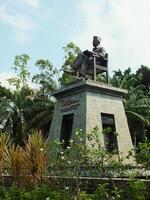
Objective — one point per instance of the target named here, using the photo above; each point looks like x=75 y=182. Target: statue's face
x=96 y=42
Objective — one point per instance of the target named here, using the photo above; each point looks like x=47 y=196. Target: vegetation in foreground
x=136 y=191
x=36 y=171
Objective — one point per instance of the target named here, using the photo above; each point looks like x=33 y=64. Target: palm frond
x=135 y=116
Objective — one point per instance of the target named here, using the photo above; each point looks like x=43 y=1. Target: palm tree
x=138 y=114
x=15 y=114
x=137 y=105
x=40 y=115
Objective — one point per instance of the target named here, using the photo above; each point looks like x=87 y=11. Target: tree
x=40 y=115
x=20 y=68
x=15 y=115
x=137 y=104
x=71 y=51
x=144 y=73
x=17 y=102
x=47 y=78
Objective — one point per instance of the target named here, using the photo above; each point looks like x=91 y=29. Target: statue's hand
x=88 y=53
x=96 y=55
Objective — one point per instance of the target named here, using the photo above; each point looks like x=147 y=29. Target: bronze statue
x=85 y=60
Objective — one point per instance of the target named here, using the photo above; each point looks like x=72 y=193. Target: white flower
x=71 y=141
x=81 y=129
x=69 y=162
x=67 y=188
x=76 y=133
x=41 y=149
x=62 y=157
x=68 y=147
x=81 y=139
x=62 y=152
x=47 y=198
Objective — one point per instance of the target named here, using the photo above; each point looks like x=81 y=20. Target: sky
x=40 y=28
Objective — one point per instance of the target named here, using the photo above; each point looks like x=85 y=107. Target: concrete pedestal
x=87 y=101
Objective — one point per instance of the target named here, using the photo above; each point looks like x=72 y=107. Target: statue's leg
x=84 y=67
x=78 y=62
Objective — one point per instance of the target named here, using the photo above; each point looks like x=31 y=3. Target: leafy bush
x=85 y=196
x=143 y=154
x=2 y=193
x=136 y=190
x=39 y=193
x=101 y=193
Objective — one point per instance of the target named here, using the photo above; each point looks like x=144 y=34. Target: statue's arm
x=101 y=52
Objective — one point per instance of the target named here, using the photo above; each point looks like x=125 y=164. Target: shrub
x=136 y=190
x=4 y=142
x=35 y=156
x=15 y=163
x=143 y=154
x=101 y=193
x=38 y=193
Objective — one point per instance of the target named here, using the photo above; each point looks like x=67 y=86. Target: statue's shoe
x=70 y=71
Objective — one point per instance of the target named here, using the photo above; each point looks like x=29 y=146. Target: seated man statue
x=84 y=61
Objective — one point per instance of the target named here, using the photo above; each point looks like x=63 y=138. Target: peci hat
x=97 y=38
x=96 y=41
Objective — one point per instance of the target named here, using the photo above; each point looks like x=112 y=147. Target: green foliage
x=104 y=192
x=71 y=51
x=144 y=73
x=143 y=154
x=15 y=121
x=31 y=163
x=136 y=102
x=20 y=68
x=46 y=78
x=101 y=193
x=43 y=192
x=136 y=190
x=40 y=115
x=85 y=196
x=16 y=102
x=2 y=193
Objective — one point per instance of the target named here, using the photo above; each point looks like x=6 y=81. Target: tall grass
x=15 y=163
x=4 y=143
x=35 y=156
x=24 y=164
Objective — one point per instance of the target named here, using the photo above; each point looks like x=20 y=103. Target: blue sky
x=41 y=28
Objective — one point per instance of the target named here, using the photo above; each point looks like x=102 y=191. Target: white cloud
x=124 y=26
x=33 y=3
x=22 y=24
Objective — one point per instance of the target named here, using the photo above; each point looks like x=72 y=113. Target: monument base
x=88 y=104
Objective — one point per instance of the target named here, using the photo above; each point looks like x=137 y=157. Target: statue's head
x=96 y=41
